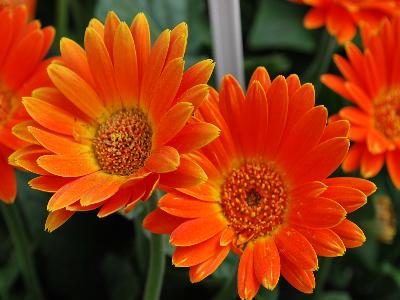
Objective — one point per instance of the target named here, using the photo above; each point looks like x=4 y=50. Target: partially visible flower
x=30 y=5
x=119 y=120
x=341 y=17
x=371 y=81
x=23 y=47
x=268 y=197
x=385 y=219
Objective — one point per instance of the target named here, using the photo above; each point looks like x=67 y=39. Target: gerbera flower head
x=341 y=17
x=268 y=197
x=118 y=121
x=23 y=46
x=371 y=81
x=30 y=5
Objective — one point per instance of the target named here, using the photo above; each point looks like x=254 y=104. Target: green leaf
x=279 y=25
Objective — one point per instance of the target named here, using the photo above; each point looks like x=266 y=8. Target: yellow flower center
x=123 y=142
x=387 y=113
x=254 y=200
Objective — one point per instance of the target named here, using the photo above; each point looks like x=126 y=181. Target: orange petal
x=197 y=230
x=201 y=271
x=261 y=75
x=154 y=67
x=376 y=142
x=351 y=235
x=126 y=66
x=296 y=248
x=353 y=159
x=160 y=222
x=57 y=218
x=163 y=160
x=337 y=84
x=104 y=189
x=339 y=128
x=165 y=88
x=324 y=241
x=316 y=212
x=308 y=190
x=293 y=83
x=365 y=186
x=173 y=122
x=267 y=265
x=187 y=207
x=21 y=131
x=247 y=282
x=72 y=191
x=199 y=73
x=194 y=136
x=8 y=181
x=320 y=162
x=50 y=184
x=115 y=203
x=195 y=95
x=178 y=41
x=102 y=69
x=141 y=35
x=110 y=27
x=77 y=91
x=26 y=158
x=302 y=100
x=227 y=236
x=355 y=115
x=301 y=279
x=69 y=165
x=349 y=198
x=49 y=116
x=188 y=174
x=315 y=18
x=58 y=144
x=196 y=254
x=278 y=99
x=371 y=164
x=393 y=165
x=304 y=136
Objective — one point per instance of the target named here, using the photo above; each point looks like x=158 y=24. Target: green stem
x=62 y=18
x=23 y=249
x=155 y=275
x=321 y=62
x=322 y=276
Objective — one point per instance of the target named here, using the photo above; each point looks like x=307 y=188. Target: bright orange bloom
x=371 y=81
x=30 y=5
x=118 y=122
x=341 y=17
x=22 y=69
x=268 y=197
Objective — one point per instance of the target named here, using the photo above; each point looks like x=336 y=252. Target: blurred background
x=91 y=258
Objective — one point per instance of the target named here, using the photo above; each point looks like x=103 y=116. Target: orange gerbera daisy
x=372 y=82
x=30 y=4
x=118 y=122
x=22 y=69
x=268 y=197
x=342 y=16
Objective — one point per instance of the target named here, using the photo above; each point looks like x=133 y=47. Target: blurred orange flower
x=341 y=17
x=22 y=69
x=30 y=5
x=118 y=121
x=268 y=197
x=371 y=81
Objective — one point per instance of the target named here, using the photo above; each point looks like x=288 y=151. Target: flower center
x=254 y=200
x=123 y=142
x=387 y=113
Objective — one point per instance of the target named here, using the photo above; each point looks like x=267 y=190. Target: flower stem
x=23 y=249
x=62 y=18
x=321 y=62
x=155 y=275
